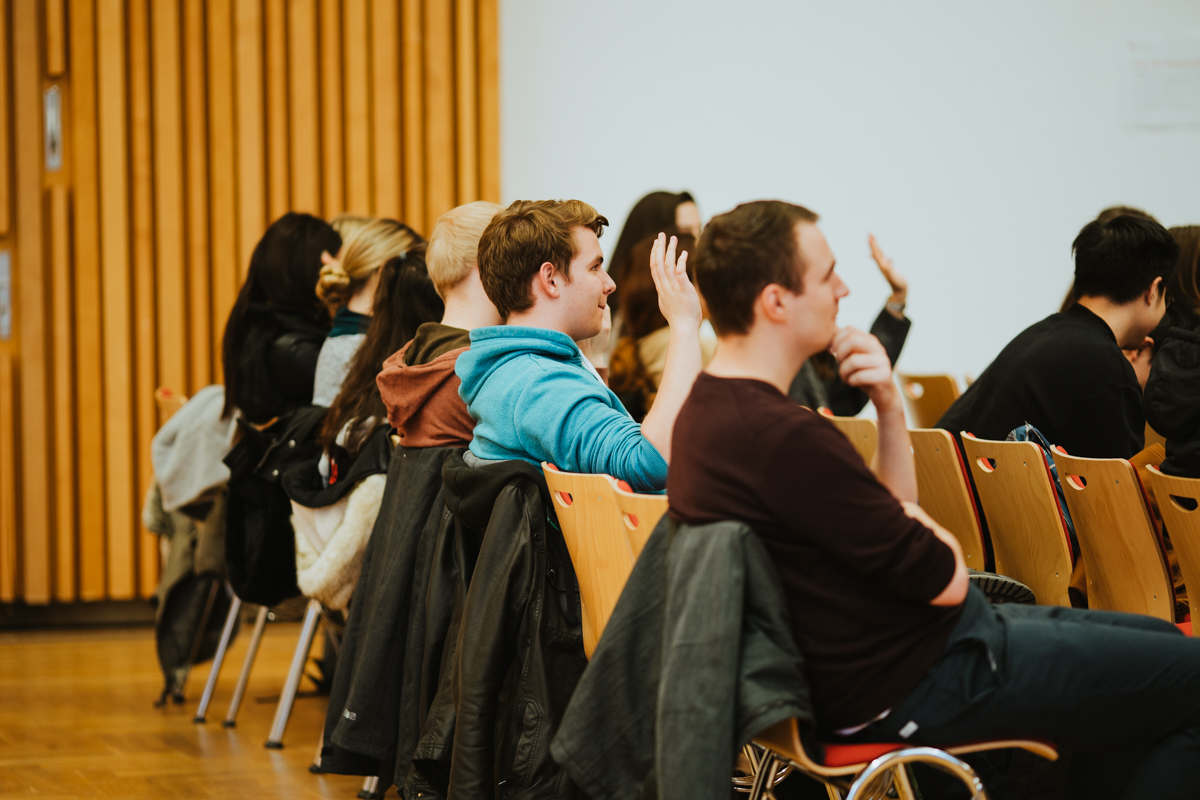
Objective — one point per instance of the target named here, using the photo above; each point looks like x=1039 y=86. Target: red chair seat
x=1186 y=627
x=844 y=755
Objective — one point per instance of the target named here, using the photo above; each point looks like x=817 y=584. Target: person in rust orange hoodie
x=418 y=384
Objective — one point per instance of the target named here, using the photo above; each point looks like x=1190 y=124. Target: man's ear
x=771 y=303
x=1152 y=294
x=548 y=281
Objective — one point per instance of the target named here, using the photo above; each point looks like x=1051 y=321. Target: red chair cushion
x=1186 y=627
x=843 y=755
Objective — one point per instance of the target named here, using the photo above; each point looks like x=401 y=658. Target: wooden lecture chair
x=944 y=491
x=864 y=770
x=862 y=433
x=640 y=514
x=591 y=524
x=1154 y=437
x=927 y=397
x=1179 y=504
x=1029 y=534
x=1122 y=552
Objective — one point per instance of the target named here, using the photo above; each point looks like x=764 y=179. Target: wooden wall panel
x=145 y=351
x=333 y=149
x=9 y=557
x=222 y=171
x=116 y=291
x=356 y=36
x=278 y=185
x=412 y=33
x=251 y=137
x=30 y=297
x=89 y=337
x=385 y=101
x=170 y=211
x=188 y=126
x=488 y=40
x=62 y=284
x=5 y=121
x=467 y=98
x=304 y=112
x=199 y=281
x=56 y=44
x=440 y=175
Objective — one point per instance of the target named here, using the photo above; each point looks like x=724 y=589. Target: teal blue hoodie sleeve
x=566 y=417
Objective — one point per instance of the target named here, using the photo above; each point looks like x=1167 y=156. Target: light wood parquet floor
x=77 y=720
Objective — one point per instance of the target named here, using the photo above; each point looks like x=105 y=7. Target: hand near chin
x=677 y=298
x=864 y=364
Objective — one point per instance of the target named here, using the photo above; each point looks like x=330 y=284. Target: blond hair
x=361 y=255
x=349 y=224
x=454 y=244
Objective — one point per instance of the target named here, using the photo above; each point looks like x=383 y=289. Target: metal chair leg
x=284 y=709
x=763 y=776
x=218 y=660
x=260 y=622
x=370 y=788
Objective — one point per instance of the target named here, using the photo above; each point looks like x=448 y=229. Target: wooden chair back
x=1153 y=437
x=640 y=513
x=944 y=491
x=927 y=397
x=591 y=524
x=862 y=433
x=168 y=403
x=1029 y=537
x=1179 y=502
x=1122 y=554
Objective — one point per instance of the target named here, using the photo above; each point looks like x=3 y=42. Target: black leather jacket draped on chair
x=697 y=658
x=376 y=705
x=520 y=646
x=1172 y=401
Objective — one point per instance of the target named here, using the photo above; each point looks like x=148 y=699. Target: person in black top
x=277 y=326
x=1067 y=375
x=896 y=646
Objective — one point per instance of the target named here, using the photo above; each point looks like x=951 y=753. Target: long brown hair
x=639 y=301
x=404 y=301
x=1184 y=285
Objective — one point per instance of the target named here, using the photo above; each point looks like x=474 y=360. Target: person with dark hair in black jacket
x=1173 y=401
x=277 y=326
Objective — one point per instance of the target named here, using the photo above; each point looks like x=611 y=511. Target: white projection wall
x=974 y=139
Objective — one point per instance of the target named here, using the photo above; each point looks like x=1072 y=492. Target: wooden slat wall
x=188 y=126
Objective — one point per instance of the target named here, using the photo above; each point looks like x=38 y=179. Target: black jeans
x=1113 y=688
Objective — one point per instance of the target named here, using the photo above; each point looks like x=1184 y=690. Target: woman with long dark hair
x=277 y=325
x=650 y=216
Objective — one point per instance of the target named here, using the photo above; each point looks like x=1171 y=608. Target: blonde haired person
x=347 y=288
x=418 y=384
x=349 y=224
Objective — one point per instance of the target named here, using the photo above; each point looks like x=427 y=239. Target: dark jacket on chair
x=277 y=361
x=1172 y=401
x=696 y=659
x=520 y=645
x=373 y=717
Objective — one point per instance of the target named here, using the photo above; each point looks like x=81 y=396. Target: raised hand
x=863 y=363
x=677 y=298
x=895 y=280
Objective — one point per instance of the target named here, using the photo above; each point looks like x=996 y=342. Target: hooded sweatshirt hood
x=422 y=399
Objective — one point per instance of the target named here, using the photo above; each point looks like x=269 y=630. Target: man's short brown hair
x=744 y=250
x=524 y=236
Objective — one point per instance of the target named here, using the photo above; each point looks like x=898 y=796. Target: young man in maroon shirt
x=897 y=646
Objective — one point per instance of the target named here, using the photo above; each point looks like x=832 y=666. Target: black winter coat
x=277 y=361
x=1172 y=401
x=520 y=645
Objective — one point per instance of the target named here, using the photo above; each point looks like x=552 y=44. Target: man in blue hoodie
x=534 y=395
